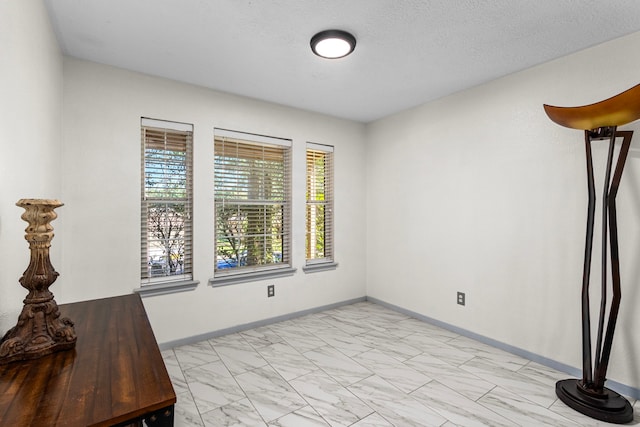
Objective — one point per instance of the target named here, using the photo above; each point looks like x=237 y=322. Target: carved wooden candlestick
x=40 y=330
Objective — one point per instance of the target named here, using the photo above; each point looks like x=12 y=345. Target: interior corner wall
x=483 y=194
x=102 y=184
x=30 y=135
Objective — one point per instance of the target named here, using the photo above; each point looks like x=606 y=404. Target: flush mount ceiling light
x=333 y=44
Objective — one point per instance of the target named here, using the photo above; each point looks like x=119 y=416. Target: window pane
x=251 y=204
x=319 y=206
x=166 y=238
x=166 y=204
x=316 y=231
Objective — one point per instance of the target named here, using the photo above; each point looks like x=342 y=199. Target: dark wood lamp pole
x=600 y=121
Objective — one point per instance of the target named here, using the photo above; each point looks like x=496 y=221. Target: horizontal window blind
x=167 y=201
x=319 y=204
x=252 y=194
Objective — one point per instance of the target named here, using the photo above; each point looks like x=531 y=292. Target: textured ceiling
x=408 y=51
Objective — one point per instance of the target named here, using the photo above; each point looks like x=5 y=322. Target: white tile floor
x=362 y=365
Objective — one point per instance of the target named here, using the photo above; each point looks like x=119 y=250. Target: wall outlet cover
x=461 y=298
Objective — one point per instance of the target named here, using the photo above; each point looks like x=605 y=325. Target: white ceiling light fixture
x=333 y=44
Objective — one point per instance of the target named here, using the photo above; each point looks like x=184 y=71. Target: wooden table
x=114 y=376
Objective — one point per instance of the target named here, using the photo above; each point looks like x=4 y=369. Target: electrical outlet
x=461 y=298
x=271 y=290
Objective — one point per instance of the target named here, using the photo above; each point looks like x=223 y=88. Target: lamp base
x=608 y=406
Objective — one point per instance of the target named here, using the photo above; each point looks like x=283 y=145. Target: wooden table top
x=114 y=374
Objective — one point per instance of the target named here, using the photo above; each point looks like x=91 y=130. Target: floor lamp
x=600 y=121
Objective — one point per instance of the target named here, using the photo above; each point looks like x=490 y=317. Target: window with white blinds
x=166 y=226
x=252 y=193
x=319 y=204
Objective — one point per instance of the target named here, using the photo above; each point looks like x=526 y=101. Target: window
x=166 y=252
x=252 y=205
x=319 y=208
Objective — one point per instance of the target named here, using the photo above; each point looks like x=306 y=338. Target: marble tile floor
x=362 y=365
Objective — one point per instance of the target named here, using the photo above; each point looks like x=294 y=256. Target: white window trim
x=252 y=137
x=322 y=264
x=163 y=124
x=170 y=284
x=314 y=267
x=166 y=288
x=250 y=276
x=320 y=147
x=224 y=278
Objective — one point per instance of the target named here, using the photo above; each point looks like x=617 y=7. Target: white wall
x=101 y=189
x=30 y=135
x=480 y=192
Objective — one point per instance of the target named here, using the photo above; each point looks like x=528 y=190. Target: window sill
x=232 y=279
x=166 y=288
x=321 y=266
